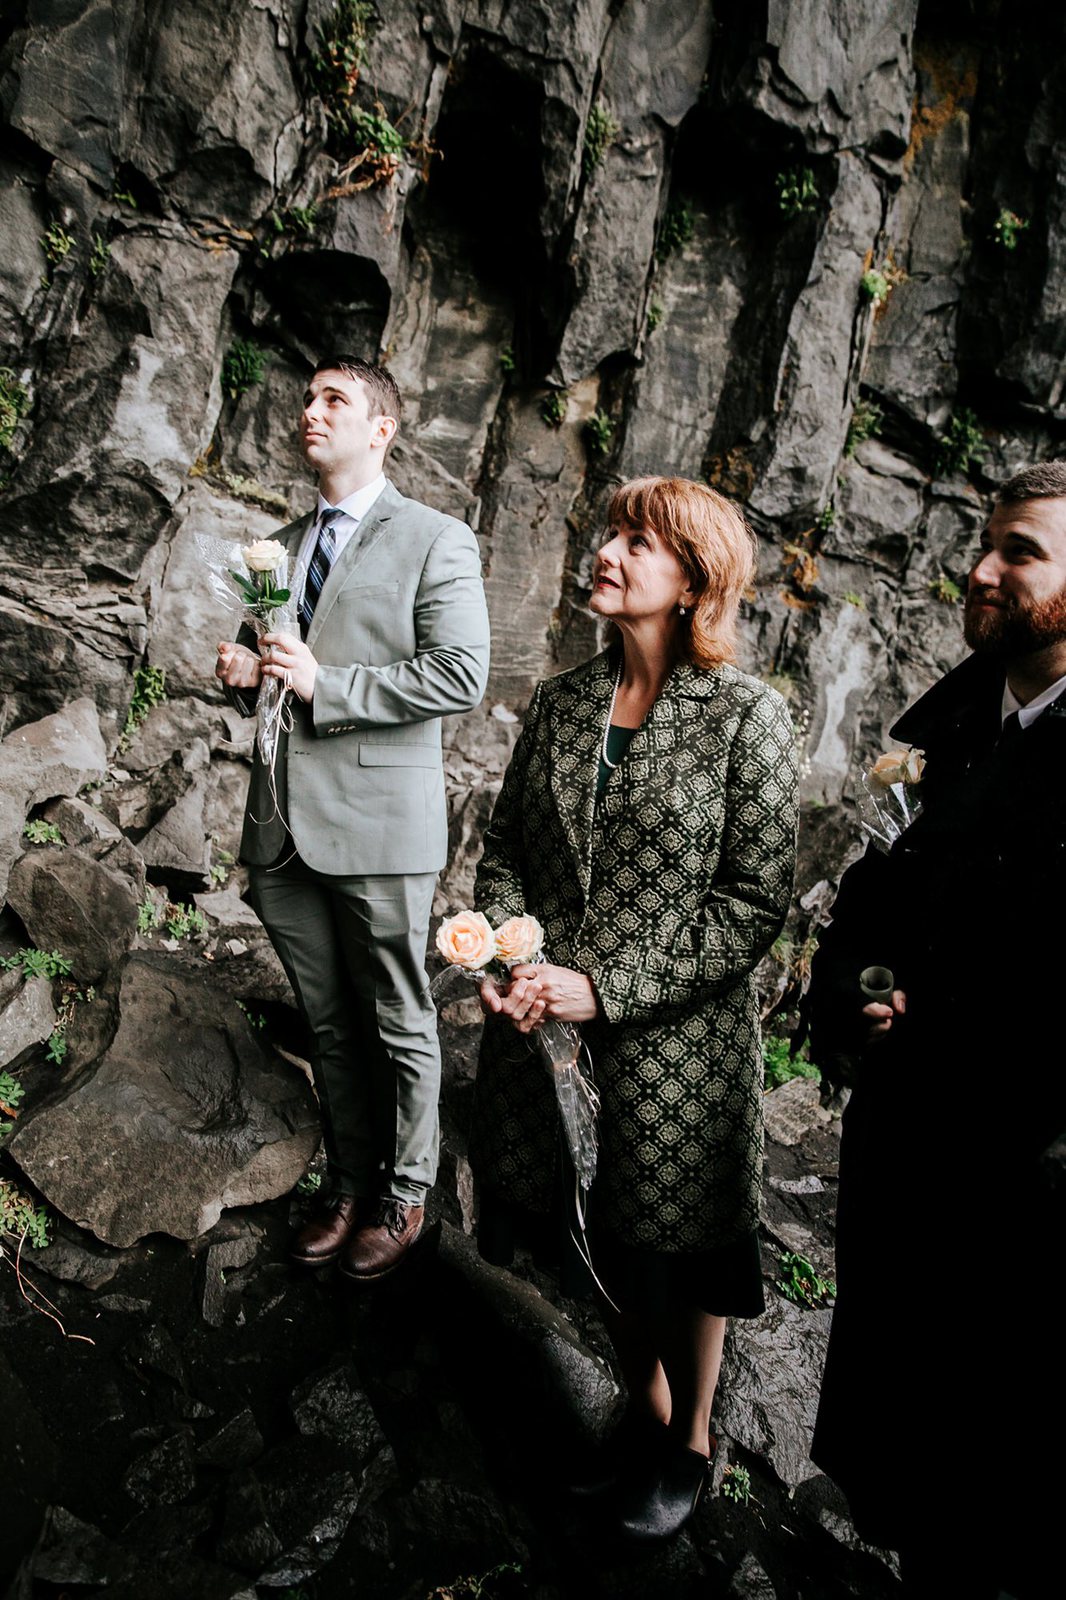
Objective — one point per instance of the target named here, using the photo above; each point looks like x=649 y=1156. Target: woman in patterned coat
x=647 y=819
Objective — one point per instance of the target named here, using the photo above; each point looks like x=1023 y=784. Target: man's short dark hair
x=381 y=387
x=1045 y=480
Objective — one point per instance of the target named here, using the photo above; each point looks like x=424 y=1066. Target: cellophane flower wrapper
x=559 y=1045
x=223 y=561
x=891 y=801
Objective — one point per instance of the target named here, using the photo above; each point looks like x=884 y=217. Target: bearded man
x=942 y=1387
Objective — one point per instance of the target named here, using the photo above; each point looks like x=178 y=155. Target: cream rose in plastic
x=467 y=940
x=265 y=555
x=898 y=766
x=519 y=939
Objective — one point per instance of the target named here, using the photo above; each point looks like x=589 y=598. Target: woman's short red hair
x=714 y=545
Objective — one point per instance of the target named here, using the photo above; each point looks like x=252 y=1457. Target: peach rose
x=898 y=766
x=265 y=555
x=466 y=940
x=519 y=939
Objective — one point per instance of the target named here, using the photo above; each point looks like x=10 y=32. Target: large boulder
x=40 y=760
x=183 y=1115
x=76 y=905
x=771 y=1374
x=27 y=1015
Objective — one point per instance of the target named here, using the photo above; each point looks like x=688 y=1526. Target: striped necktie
x=319 y=565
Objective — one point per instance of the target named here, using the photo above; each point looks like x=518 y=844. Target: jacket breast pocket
x=366 y=591
x=397 y=755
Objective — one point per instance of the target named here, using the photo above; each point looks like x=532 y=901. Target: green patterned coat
x=667 y=892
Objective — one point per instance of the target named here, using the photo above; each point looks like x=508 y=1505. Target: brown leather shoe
x=380 y=1245
x=319 y=1240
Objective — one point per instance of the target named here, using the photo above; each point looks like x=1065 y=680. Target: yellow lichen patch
x=954 y=79
x=733 y=473
x=804 y=569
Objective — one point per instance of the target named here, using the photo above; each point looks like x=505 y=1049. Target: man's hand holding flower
x=288 y=658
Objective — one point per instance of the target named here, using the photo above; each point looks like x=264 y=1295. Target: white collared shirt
x=1029 y=713
x=355 y=507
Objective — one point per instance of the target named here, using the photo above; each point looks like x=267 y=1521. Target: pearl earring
x=682 y=610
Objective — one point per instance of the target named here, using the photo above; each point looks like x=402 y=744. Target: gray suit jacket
x=401 y=636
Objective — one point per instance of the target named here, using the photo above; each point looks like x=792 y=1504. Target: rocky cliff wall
x=811 y=252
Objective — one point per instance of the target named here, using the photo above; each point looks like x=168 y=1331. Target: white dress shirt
x=1029 y=713
x=354 y=507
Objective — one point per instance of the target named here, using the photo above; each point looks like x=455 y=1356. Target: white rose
x=265 y=555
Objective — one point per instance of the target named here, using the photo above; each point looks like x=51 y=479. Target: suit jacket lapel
x=370 y=531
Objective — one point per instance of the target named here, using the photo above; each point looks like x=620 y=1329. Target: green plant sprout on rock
x=678 y=227
x=11 y=1092
x=483 y=1587
x=826 y=519
x=553 y=409
x=342 y=41
x=20 y=1218
x=149 y=689
x=37 y=831
x=599 y=433
x=34 y=963
x=149 y=916
x=876 y=287
x=601 y=130
x=100 y=255
x=242 y=367
x=57 y=1041
x=961 y=446
x=736 y=1484
x=781 y=1066
x=1006 y=228
x=800 y=1282
x=296 y=219
x=866 y=420
x=655 y=315
x=255 y=1019
x=220 y=868
x=14 y=404
x=374 y=132
x=309 y=1184
x=851 y=598
x=945 y=589
x=797 y=192
x=57 y=244
x=507 y=360
x=184 y=922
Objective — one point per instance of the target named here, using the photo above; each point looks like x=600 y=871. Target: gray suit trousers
x=354 y=950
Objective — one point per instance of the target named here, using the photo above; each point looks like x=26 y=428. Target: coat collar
x=581 y=707
x=965 y=704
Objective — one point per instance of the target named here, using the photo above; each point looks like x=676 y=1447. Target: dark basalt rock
x=184 y=1114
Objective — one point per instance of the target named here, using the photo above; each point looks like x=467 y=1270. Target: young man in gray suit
x=344 y=853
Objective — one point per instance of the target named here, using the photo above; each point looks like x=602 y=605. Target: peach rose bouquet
x=889 y=798
x=474 y=949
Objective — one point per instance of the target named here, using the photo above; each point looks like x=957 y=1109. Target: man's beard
x=1014 y=629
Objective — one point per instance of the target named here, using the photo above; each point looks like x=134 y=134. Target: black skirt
x=725 y=1281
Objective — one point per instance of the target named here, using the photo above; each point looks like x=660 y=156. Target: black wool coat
x=949 y=1221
